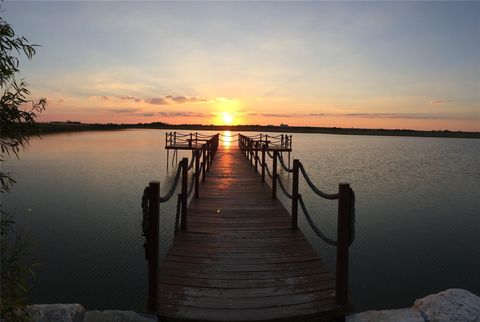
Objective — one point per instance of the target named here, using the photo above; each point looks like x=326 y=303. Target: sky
x=405 y=65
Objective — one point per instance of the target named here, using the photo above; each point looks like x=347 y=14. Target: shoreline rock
x=452 y=305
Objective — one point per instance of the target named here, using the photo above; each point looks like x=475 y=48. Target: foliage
x=17 y=116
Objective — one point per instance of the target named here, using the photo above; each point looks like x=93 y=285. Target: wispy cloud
x=439 y=101
x=123 y=110
x=186 y=99
x=101 y=97
x=157 y=101
x=161 y=100
x=410 y=116
x=130 y=98
x=184 y=114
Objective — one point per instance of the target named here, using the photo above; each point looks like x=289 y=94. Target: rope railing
x=268 y=171
x=330 y=196
x=151 y=200
x=282 y=163
x=314 y=227
x=345 y=197
x=282 y=186
x=173 y=187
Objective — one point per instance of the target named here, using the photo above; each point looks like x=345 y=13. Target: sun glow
x=227 y=118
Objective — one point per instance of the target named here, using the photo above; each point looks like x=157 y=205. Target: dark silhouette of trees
x=17 y=117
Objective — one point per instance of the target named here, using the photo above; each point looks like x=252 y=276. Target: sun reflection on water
x=227 y=139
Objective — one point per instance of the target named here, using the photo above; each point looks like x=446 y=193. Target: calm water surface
x=418 y=219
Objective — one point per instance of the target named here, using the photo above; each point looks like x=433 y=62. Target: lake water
x=417 y=231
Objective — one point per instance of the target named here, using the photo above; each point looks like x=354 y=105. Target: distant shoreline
x=56 y=127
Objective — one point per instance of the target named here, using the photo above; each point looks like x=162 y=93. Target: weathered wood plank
x=239 y=260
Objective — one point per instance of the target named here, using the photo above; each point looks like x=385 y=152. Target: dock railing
x=199 y=164
x=251 y=146
x=176 y=139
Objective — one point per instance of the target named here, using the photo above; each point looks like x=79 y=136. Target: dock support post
x=251 y=151
x=263 y=162
x=296 y=166
x=184 y=192
x=204 y=165
x=256 y=157
x=197 y=173
x=153 y=243
x=274 y=175
x=343 y=236
x=208 y=157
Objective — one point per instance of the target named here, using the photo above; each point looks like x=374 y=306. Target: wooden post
x=208 y=156
x=184 y=192
x=197 y=173
x=251 y=151
x=153 y=243
x=174 y=137
x=296 y=167
x=204 y=165
x=274 y=175
x=343 y=235
x=263 y=162
x=256 y=156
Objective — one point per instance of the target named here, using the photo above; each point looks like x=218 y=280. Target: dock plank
x=239 y=260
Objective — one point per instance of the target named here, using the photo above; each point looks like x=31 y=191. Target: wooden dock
x=239 y=258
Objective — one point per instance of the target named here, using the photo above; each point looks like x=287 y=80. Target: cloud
x=61 y=100
x=131 y=98
x=123 y=110
x=103 y=97
x=410 y=116
x=157 y=101
x=184 y=114
x=439 y=101
x=161 y=100
x=414 y=116
x=186 y=99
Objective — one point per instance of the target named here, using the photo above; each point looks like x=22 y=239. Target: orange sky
x=400 y=65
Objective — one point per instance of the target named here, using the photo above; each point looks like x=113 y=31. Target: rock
x=401 y=315
x=118 y=316
x=56 y=312
x=452 y=305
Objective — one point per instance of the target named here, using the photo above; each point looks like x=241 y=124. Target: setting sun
x=227 y=118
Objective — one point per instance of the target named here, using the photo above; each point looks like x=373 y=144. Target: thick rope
x=279 y=180
x=268 y=171
x=178 y=134
x=282 y=163
x=205 y=135
x=270 y=155
x=314 y=188
x=313 y=226
x=167 y=197
x=190 y=166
